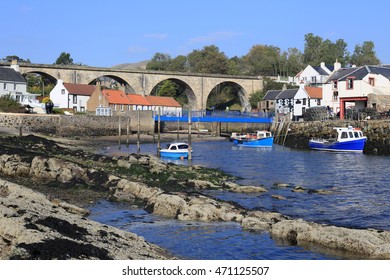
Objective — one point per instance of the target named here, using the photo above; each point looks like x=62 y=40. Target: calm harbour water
x=359 y=197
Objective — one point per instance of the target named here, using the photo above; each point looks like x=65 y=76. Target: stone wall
x=76 y=125
x=297 y=134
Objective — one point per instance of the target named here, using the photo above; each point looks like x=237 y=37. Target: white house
x=316 y=75
x=358 y=87
x=71 y=96
x=14 y=84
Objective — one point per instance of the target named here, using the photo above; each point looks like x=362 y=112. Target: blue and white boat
x=262 y=138
x=175 y=150
x=348 y=139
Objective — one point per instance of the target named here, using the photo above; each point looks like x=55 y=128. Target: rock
x=33 y=227
x=276 y=196
x=259 y=220
x=201 y=184
x=371 y=243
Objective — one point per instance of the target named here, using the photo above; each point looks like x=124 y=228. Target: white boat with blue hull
x=348 y=139
x=175 y=150
x=261 y=138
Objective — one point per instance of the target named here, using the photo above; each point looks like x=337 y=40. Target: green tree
x=262 y=60
x=160 y=62
x=178 y=64
x=364 y=54
x=313 y=46
x=9 y=58
x=64 y=59
x=294 y=62
x=208 y=60
x=172 y=89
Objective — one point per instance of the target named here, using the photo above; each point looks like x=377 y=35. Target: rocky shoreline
x=164 y=189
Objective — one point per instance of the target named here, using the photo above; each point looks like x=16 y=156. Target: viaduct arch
x=198 y=86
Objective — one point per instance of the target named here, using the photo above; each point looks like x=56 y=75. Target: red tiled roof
x=116 y=97
x=314 y=92
x=138 y=99
x=163 y=101
x=79 y=89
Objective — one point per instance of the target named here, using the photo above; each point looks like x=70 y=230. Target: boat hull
x=355 y=146
x=170 y=154
x=263 y=142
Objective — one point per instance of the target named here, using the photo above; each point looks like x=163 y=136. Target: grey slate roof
x=320 y=70
x=10 y=75
x=271 y=94
x=287 y=94
x=359 y=72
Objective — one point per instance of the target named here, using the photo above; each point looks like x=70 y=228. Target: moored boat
x=348 y=139
x=237 y=136
x=262 y=138
x=175 y=150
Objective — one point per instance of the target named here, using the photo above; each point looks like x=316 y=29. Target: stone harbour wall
x=77 y=125
x=298 y=134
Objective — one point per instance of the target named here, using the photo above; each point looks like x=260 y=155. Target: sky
x=107 y=33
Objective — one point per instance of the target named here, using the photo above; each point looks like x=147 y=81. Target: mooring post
x=138 y=133
x=178 y=129
x=158 y=132
x=189 y=135
x=128 y=132
x=119 y=131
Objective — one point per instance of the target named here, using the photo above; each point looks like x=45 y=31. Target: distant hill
x=132 y=66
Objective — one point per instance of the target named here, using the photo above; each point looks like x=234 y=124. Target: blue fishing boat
x=261 y=138
x=175 y=150
x=348 y=139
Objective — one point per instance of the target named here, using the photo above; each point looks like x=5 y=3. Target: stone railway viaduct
x=198 y=87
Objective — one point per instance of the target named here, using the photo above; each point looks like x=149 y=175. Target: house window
x=14 y=86
x=62 y=91
x=334 y=84
x=318 y=102
x=74 y=109
x=304 y=101
x=74 y=99
x=314 y=79
x=349 y=83
x=121 y=107
x=371 y=81
x=335 y=95
x=82 y=109
x=5 y=86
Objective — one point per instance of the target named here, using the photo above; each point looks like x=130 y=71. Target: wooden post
x=189 y=135
x=198 y=129
x=119 y=131
x=138 y=133
x=158 y=132
x=178 y=129
x=128 y=132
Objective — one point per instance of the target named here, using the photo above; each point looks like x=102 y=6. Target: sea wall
x=298 y=134
x=76 y=125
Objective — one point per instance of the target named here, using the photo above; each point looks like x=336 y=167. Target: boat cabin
x=177 y=146
x=348 y=133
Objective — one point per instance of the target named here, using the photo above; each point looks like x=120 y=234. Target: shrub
x=10 y=105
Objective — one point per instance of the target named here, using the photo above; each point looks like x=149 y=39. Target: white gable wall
x=60 y=95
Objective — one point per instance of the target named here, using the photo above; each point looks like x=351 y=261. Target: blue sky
x=107 y=33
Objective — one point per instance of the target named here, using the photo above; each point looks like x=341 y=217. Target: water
x=357 y=196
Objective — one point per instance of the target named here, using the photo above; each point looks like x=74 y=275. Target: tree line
x=267 y=60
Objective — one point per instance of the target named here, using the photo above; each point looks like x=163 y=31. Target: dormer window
x=371 y=81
